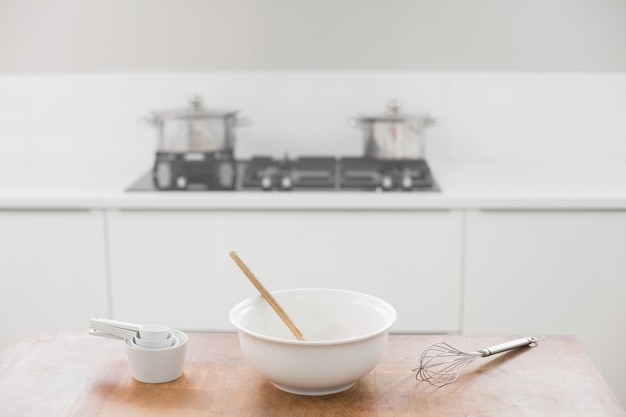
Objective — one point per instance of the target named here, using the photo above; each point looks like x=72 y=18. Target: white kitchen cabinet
x=173 y=267
x=52 y=270
x=550 y=272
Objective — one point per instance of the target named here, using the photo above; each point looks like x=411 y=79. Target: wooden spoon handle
x=268 y=297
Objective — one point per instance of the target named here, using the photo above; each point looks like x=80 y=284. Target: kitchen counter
x=98 y=185
x=74 y=374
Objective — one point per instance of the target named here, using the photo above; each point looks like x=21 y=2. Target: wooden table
x=69 y=374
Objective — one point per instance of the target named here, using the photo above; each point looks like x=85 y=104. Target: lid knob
x=393 y=107
x=196 y=103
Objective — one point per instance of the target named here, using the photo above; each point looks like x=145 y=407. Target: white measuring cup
x=156 y=344
x=157 y=365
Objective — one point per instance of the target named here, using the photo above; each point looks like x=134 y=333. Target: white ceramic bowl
x=154 y=365
x=347 y=334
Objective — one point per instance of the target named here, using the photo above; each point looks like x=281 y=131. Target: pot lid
x=195 y=110
x=393 y=114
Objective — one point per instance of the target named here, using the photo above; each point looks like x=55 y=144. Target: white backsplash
x=482 y=116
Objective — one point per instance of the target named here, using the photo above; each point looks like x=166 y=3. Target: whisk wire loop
x=441 y=363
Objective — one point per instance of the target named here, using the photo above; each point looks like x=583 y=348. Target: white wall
x=508 y=80
x=482 y=116
x=175 y=35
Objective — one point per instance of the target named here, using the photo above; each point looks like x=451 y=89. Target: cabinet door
x=52 y=270
x=174 y=267
x=536 y=273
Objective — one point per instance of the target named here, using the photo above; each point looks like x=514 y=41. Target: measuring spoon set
x=156 y=353
x=148 y=336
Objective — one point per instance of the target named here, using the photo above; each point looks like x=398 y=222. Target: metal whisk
x=441 y=364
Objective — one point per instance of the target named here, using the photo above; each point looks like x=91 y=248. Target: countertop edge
x=463 y=187
x=243 y=201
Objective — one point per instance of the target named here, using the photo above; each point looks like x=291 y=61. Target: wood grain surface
x=69 y=374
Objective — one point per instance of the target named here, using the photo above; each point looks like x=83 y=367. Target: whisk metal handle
x=502 y=347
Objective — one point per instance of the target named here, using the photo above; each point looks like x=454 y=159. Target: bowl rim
x=391 y=318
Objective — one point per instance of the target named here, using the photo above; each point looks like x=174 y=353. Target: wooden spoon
x=268 y=297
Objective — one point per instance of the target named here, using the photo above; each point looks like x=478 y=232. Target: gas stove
x=264 y=173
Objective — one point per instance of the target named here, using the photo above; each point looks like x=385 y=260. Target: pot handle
x=423 y=123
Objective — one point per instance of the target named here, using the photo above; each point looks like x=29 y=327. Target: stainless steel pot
x=195 y=129
x=393 y=135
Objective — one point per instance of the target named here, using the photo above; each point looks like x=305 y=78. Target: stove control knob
x=286 y=183
x=407 y=182
x=181 y=182
x=386 y=182
x=266 y=183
